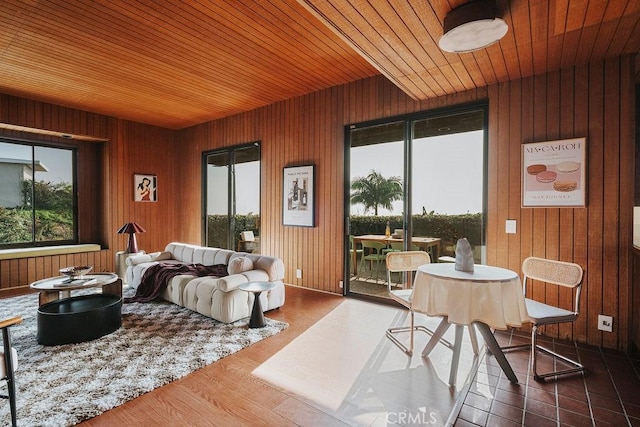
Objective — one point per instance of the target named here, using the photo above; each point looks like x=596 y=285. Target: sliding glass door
x=232 y=197
x=413 y=183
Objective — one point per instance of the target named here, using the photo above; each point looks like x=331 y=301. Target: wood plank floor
x=318 y=372
x=334 y=367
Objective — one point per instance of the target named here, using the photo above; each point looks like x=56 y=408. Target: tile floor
x=608 y=394
x=359 y=378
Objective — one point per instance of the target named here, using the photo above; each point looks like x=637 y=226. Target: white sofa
x=218 y=298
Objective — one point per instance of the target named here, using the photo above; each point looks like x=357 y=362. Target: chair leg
x=8 y=359
x=535 y=348
x=361 y=268
x=377 y=269
x=391 y=334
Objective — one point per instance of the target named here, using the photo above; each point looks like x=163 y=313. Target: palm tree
x=374 y=191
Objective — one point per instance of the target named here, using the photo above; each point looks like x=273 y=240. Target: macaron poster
x=553 y=173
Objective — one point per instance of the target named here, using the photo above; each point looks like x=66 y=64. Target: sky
x=447 y=172
x=448 y=175
x=58 y=162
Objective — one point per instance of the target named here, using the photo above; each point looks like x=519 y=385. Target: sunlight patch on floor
x=345 y=366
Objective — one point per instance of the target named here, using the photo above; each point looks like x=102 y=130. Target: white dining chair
x=404 y=262
x=9 y=363
x=558 y=273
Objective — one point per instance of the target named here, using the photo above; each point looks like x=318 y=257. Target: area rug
x=158 y=342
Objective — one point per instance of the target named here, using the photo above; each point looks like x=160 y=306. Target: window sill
x=47 y=250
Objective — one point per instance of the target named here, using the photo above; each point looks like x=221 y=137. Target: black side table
x=257 y=317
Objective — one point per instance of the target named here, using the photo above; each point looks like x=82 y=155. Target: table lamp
x=131 y=228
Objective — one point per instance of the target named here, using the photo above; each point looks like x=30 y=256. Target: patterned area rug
x=158 y=342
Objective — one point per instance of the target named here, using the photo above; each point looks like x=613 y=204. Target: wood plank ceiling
x=176 y=64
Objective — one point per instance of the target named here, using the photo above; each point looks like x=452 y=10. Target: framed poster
x=554 y=173
x=298 y=196
x=145 y=188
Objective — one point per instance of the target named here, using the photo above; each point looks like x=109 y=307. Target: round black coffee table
x=257 y=317
x=78 y=319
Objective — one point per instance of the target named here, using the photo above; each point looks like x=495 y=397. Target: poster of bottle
x=298 y=206
x=554 y=173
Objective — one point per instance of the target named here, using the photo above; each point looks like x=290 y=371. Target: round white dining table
x=489 y=297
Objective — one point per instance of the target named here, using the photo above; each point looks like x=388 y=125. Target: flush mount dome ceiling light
x=472 y=26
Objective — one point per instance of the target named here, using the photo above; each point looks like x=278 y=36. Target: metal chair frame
x=405 y=262
x=9 y=365
x=557 y=273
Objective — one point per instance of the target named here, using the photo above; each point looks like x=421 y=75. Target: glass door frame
x=231 y=200
x=409 y=120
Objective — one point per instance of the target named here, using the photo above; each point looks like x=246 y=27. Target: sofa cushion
x=163 y=256
x=155 y=256
x=239 y=265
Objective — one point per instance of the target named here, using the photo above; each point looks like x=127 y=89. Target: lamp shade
x=472 y=26
x=131 y=228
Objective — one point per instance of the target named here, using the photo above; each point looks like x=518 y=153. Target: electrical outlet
x=340 y=284
x=605 y=323
x=298 y=274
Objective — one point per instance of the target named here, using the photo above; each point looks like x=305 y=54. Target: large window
x=232 y=197
x=37 y=195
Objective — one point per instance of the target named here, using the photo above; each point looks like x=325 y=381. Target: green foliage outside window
x=53 y=214
x=449 y=228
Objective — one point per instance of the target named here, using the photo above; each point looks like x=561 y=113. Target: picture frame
x=145 y=188
x=298 y=196
x=554 y=173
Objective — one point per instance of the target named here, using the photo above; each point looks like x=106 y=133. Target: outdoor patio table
x=428 y=244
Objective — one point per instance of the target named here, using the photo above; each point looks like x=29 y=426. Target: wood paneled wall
x=594 y=101
x=105 y=185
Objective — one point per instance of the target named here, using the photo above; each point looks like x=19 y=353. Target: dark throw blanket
x=156 y=278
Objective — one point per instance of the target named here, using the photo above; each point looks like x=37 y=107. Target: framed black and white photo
x=298 y=208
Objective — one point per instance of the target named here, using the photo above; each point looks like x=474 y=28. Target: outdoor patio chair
x=372 y=253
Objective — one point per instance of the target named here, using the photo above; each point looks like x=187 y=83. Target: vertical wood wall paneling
x=627 y=186
x=581 y=216
x=595 y=294
x=526 y=226
x=553 y=214
x=493 y=227
x=105 y=187
x=514 y=172
x=611 y=199
x=502 y=171
x=531 y=110
x=567 y=236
